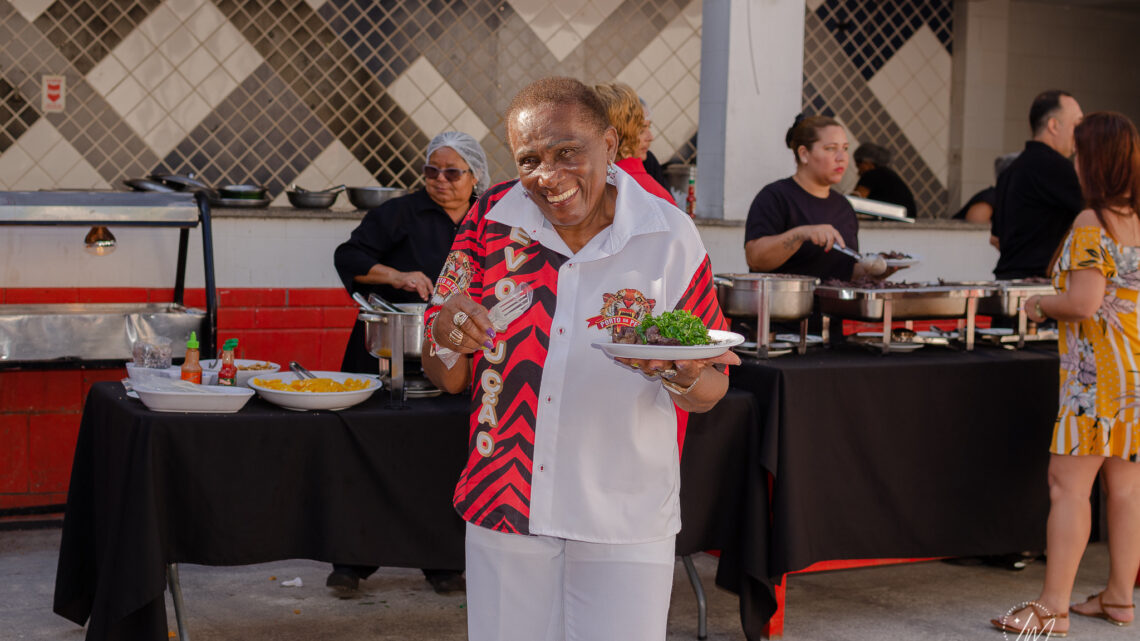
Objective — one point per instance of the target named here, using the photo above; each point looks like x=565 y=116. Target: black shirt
x=783 y=205
x=1035 y=203
x=986 y=195
x=885 y=185
x=655 y=170
x=410 y=233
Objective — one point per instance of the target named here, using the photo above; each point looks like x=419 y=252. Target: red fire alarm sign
x=54 y=94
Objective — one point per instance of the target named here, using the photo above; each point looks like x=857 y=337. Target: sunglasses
x=452 y=174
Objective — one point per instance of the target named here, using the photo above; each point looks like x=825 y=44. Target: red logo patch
x=624 y=308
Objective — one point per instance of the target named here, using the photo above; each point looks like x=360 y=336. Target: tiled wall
x=318 y=93
x=40 y=409
x=883 y=70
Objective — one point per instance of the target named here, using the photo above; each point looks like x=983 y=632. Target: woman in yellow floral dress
x=1097 y=273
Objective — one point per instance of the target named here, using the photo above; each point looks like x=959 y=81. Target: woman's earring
x=611 y=174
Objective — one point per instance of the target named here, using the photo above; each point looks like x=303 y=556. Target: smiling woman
x=574 y=448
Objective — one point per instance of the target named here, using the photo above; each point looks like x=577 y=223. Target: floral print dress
x=1100 y=362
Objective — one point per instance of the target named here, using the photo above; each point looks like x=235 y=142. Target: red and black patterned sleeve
x=463 y=269
x=700 y=298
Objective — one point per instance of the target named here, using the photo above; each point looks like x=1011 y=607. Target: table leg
x=176 y=595
x=702 y=602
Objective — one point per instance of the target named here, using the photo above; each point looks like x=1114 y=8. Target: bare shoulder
x=1087 y=218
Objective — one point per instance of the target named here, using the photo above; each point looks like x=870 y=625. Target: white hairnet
x=471 y=152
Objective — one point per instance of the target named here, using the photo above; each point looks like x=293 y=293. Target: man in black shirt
x=1038 y=197
x=878 y=181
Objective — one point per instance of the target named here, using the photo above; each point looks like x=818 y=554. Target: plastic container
x=227 y=373
x=191 y=368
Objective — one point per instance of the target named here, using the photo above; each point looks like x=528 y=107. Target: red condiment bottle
x=227 y=373
x=691 y=200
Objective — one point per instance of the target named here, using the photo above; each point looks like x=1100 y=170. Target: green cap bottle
x=193 y=342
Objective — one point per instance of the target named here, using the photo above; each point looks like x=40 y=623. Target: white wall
x=1089 y=52
x=981 y=48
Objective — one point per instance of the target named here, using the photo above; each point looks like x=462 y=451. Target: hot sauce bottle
x=227 y=373
x=191 y=369
x=691 y=200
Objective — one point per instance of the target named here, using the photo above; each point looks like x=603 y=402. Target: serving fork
x=504 y=312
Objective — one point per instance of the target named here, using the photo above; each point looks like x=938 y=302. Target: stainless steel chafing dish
x=767 y=298
x=917 y=302
x=1007 y=300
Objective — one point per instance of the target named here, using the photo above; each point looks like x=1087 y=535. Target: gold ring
x=667 y=374
x=456 y=336
x=636 y=365
x=459 y=318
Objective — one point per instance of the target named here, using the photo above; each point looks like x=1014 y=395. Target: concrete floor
x=922 y=601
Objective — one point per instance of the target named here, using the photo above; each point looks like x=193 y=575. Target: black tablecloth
x=932 y=453
x=368 y=485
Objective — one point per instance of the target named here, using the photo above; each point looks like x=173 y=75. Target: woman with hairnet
x=397 y=252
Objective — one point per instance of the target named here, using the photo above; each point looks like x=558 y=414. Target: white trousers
x=540 y=588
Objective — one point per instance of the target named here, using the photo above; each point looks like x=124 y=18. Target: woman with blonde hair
x=1097 y=431
x=627 y=116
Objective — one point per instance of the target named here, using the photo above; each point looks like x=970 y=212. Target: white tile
x=562 y=43
x=39 y=138
x=146 y=115
x=13 y=164
x=83 y=176
x=634 y=74
x=665 y=111
x=914 y=96
x=30 y=9
x=651 y=91
x=933 y=119
x=243 y=61
x=163 y=138
x=160 y=24
x=314 y=4
x=654 y=54
x=930 y=82
x=183 y=9
x=205 y=22
x=197 y=66
x=527 y=9
x=406 y=93
x=190 y=112
x=425 y=75
x=693 y=13
x=224 y=41
x=178 y=45
x=690 y=54
x=152 y=71
x=216 y=87
x=32 y=180
x=356 y=175
x=583 y=19
x=333 y=159
x=105 y=75
x=59 y=160
x=687 y=93
x=926 y=42
x=676 y=33
x=812 y=5
x=172 y=91
x=449 y=103
x=881 y=85
x=469 y=122
x=126 y=96
x=133 y=50
x=669 y=75
x=429 y=120
x=545 y=22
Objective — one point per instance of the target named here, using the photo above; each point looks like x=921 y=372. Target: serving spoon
x=875 y=265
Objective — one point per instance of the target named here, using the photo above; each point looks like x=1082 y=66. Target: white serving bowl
x=301 y=401
x=243 y=375
x=212 y=400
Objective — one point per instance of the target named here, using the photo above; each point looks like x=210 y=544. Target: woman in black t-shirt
x=794 y=222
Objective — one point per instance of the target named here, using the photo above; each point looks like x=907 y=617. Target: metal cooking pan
x=790 y=295
x=144 y=184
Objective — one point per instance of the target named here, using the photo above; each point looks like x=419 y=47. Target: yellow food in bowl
x=313 y=385
x=256 y=366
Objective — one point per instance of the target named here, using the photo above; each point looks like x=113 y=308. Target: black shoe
x=343 y=580
x=447 y=582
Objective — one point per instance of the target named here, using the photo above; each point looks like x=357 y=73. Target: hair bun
x=791 y=130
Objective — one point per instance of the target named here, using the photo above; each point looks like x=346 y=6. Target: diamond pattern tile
x=43 y=159
x=871 y=32
x=86 y=30
x=433 y=104
x=30 y=9
x=562 y=26
x=833 y=85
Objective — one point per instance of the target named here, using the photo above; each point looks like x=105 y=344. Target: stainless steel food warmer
x=92 y=335
x=1007 y=300
x=767 y=298
x=908 y=303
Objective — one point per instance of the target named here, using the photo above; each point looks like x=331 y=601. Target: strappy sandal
x=1042 y=619
x=1103 y=614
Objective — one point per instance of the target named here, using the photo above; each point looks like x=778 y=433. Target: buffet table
x=368 y=485
x=864 y=456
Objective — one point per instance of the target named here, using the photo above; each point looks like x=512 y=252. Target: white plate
x=212 y=400
x=901 y=262
x=995 y=331
x=812 y=339
x=932 y=334
x=243 y=375
x=721 y=342
x=302 y=401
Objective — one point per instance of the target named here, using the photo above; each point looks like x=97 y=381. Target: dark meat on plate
x=626 y=335
x=895 y=255
x=653 y=337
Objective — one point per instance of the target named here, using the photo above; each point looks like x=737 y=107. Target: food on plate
x=313 y=385
x=256 y=366
x=894 y=255
x=678 y=327
x=869 y=283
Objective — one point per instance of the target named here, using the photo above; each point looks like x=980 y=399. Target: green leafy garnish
x=679 y=324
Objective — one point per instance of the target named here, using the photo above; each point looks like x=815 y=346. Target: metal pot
x=790 y=296
x=370 y=197
x=242 y=192
x=380 y=330
x=312 y=199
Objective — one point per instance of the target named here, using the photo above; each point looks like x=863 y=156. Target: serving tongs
x=300 y=370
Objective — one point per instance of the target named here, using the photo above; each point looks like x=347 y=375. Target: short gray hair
x=877 y=155
x=470 y=150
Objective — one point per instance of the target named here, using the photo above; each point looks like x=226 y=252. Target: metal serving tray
x=921 y=302
x=90 y=332
x=1008 y=297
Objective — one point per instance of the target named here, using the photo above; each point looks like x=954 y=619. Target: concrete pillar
x=751 y=86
